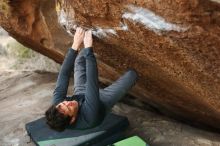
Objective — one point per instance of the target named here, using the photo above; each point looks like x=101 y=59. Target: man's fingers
x=80 y=30
x=75 y=26
x=83 y=32
x=86 y=33
x=77 y=29
x=90 y=32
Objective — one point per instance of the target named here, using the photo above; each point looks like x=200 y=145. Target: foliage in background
x=4 y=7
x=18 y=50
x=19 y=57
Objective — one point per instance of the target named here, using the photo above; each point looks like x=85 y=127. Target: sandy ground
x=25 y=95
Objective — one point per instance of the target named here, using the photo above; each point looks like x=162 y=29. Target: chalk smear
x=66 y=21
x=137 y=14
x=150 y=20
x=218 y=1
x=123 y=26
x=105 y=32
x=102 y=32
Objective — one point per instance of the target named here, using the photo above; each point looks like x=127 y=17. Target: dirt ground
x=25 y=95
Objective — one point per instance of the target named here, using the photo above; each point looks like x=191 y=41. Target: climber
x=90 y=104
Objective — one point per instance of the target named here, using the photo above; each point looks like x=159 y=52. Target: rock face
x=174 y=45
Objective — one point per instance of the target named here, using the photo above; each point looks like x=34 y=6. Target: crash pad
x=110 y=131
x=131 y=141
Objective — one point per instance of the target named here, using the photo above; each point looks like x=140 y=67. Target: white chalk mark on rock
x=150 y=20
x=218 y=1
x=66 y=20
x=123 y=26
x=69 y=24
x=101 y=32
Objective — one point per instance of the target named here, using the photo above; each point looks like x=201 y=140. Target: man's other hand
x=78 y=38
x=88 y=39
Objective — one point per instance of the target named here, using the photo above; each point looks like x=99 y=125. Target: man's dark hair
x=56 y=120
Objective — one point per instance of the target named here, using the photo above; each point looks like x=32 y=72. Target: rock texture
x=25 y=95
x=173 y=44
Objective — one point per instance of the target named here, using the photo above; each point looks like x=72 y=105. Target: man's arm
x=62 y=83
x=92 y=101
x=60 y=91
x=92 y=104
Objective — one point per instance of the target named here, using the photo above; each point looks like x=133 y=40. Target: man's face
x=68 y=108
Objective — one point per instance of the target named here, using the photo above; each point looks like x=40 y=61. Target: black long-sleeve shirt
x=91 y=110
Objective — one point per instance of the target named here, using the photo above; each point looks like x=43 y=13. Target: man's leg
x=113 y=93
x=79 y=74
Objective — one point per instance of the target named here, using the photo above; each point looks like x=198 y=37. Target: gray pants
x=109 y=95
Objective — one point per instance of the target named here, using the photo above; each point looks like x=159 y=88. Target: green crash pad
x=132 y=141
x=110 y=131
